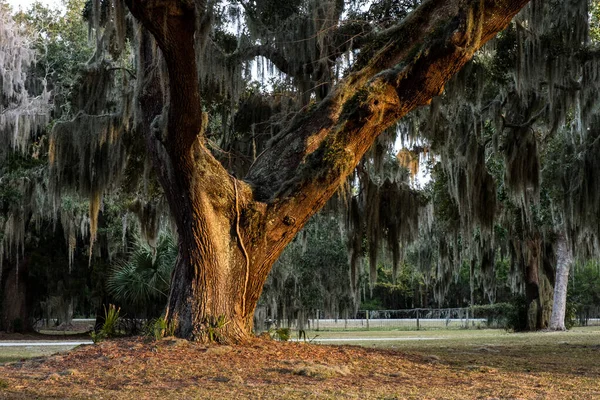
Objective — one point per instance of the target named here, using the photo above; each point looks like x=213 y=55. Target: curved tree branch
x=403 y=68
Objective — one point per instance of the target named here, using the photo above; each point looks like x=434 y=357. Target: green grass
x=59 y=333
x=573 y=352
x=10 y=354
x=436 y=334
x=400 y=332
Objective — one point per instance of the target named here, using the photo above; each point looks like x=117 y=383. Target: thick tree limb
x=173 y=24
x=404 y=67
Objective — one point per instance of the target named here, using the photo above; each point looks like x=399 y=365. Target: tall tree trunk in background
x=564 y=259
x=230 y=230
x=15 y=313
x=472 y=284
x=538 y=288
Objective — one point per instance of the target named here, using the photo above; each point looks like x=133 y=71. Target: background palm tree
x=142 y=281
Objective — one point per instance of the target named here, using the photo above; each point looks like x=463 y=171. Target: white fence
x=418 y=318
x=412 y=319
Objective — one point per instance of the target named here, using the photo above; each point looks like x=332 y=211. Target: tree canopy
x=243 y=119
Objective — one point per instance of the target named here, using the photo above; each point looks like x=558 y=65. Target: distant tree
x=514 y=137
x=24 y=113
x=311 y=274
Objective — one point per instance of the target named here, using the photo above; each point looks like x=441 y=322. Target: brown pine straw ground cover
x=541 y=366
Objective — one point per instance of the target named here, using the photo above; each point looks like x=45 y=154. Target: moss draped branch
x=404 y=67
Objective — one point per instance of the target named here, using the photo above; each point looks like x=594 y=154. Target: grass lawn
x=9 y=354
x=458 y=364
x=574 y=351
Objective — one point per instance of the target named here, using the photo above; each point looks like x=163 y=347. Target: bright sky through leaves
x=25 y=4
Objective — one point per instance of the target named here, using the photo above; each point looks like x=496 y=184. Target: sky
x=24 y=4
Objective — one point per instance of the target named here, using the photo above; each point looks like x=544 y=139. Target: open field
x=577 y=350
x=452 y=336
x=457 y=364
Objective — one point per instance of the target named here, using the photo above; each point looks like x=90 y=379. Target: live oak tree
x=232 y=229
x=310 y=275
x=512 y=128
x=24 y=107
x=41 y=50
x=355 y=73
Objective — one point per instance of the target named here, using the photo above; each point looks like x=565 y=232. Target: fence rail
x=417 y=318
x=413 y=319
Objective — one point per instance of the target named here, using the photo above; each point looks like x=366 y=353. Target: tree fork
x=191 y=307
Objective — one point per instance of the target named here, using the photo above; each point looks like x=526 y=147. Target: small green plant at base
x=109 y=327
x=213 y=327
x=97 y=336
x=283 y=334
x=159 y=328
x=111 y=320
x=3 y=384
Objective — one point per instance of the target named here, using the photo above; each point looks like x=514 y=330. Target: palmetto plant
x=143 y=280
x=110 y=328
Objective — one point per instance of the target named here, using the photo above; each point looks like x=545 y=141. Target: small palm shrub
x=110 y=326
x=283 y=334
x=214 y=326
x=143 y=281
x=159 y=328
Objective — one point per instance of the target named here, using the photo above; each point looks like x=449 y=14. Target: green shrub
x=496 y=315
x=17 y=325
x=570 y=315
x=517 y=317
x=142 y=281
x=511 y=315
x=283 y=334
x=159 y=328
x=110 y=325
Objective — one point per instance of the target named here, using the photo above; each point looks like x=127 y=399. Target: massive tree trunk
x=231 y=231
x=564 y=259
x=216 y=282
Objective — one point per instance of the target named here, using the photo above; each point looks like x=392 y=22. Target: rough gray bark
x=564 y=259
